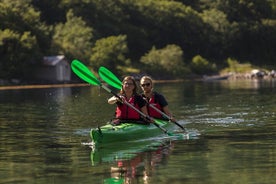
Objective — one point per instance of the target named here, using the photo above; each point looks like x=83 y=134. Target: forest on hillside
x=168 y=38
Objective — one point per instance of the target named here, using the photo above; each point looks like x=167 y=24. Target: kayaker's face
x=146 y=85
x=128 y=86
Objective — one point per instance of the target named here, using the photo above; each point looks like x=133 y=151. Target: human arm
x=168 y=113
x=165 y=107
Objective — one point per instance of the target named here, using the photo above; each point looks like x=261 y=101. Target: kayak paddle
x=85 y=74
x=112 y=80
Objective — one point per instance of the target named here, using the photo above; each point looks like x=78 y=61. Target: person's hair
x=146 y=77
x=134 y=83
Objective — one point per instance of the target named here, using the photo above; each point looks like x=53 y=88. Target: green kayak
x=127 y=131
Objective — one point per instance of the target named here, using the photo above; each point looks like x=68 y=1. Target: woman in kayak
x=157 y=103
x=128 y=94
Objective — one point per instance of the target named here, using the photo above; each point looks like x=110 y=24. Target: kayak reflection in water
x=141 y=167
x=128 y=94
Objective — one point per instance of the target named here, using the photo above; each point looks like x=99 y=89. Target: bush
x=202 y=66
x=236 y=67
x=166 y=62
x=110 y=52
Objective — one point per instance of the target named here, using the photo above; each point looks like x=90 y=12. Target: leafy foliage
x=73 y=38
x=110 y=52
x=123 y=33
x=201 y=65
x=235 y=67
x=19 y=46
x=166 y=62
x=18 y=49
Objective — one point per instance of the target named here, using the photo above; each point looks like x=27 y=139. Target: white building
x=54 y=69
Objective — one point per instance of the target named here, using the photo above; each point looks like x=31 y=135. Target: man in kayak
x=128 y=94
x=157 y=103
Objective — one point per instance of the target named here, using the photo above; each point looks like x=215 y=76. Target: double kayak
x=128 y=131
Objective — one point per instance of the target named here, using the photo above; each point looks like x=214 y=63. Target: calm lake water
x=45 y=136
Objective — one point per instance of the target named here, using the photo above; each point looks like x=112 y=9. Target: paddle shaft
x=165 y=115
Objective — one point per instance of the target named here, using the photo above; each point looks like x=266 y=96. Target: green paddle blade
x=84 y=73
x=109 y=77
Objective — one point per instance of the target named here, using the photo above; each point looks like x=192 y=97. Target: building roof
x=52 y=60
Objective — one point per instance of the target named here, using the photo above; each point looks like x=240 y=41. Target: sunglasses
x=146 y=84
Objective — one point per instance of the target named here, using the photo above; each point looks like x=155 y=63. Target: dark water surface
x=45 y=132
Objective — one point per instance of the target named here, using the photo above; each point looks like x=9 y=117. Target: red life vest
x=125 y=112
x=152 y=111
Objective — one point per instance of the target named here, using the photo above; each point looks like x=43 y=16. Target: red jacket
x=152 y=111
x=125 y=112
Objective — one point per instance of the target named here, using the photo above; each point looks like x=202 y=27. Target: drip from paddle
x=112 y=80
x=85 y=74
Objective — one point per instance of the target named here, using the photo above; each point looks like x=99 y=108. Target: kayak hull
x=127 y=131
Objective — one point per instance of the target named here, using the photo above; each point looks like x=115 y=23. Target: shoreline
x=42 y=86
x=233 y=77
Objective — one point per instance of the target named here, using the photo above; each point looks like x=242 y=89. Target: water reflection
x=249 y=84
x=137 y=160
x=135 y=165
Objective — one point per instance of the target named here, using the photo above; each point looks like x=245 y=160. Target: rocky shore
x=254 y=74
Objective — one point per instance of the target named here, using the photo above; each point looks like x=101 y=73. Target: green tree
x=217 y=20
x=22 y=38
x=21 y=16
x=245 y=10
x=51 y=11
x=105 y=17
x=273 y=7
x=166 y=22
x=236 y=67
x=110 y=52
x=248 y=38
x=166 y=62
x=18 y=53
x=73 y=39
x=215 y=29
x=201 y=65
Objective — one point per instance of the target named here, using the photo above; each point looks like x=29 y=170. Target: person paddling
x=129 y=94
x=155 y=100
